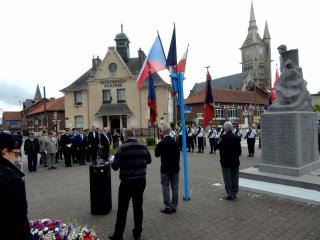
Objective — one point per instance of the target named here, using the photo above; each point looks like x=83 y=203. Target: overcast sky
x=51 y=43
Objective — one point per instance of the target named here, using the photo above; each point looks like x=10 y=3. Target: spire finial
x=121 y=28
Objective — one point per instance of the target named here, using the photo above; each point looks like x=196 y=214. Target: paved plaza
x=64 y=193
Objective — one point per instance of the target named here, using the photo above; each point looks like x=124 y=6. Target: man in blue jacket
x=169 y=152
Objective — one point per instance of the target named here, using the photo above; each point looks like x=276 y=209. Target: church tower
x=122 y=45
x=37 y=95
x=256 y=54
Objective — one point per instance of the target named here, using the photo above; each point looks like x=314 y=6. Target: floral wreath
x=48 y=229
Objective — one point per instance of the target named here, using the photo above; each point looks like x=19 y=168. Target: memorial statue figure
x=291 y=91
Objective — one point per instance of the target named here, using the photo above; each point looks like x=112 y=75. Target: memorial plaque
x=289 y=143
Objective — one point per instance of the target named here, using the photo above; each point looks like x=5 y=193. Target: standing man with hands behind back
x=169 y=152
x=132 y=158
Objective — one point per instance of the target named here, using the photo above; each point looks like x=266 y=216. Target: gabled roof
x=12 y=116
x=222 y=95
x=234 y=81
x=53 y=105
x=81 y=82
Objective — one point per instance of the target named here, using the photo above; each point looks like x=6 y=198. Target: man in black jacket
x=132 y=158
x=13 y=203
x=230 y=150
x=93 y=143
x=32 y=148
x=169 y=152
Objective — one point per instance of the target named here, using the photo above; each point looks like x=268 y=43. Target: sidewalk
x=64 y=193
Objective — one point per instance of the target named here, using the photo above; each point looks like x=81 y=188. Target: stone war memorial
x=289 y=141
x=289 y=127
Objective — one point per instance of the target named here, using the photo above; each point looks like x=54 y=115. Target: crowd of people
x=131 y=159
x=196 y=137
x=76 y=146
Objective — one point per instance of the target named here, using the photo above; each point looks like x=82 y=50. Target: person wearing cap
x=66 y=147
x=13 y=201
x=32 y=148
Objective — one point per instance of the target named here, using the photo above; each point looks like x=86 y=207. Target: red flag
x=182 y=64
x=208 y=105
x=273 y=91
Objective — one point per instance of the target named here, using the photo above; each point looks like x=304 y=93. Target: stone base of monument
x=305 y=188
x=289 y=143
x=289 y=153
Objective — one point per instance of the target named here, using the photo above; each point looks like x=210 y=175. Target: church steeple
x=252 y=22
x=122 y=45
x=256 y=53
x=37 y=95
x=266 y=34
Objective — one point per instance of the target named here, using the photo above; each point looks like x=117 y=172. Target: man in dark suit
x=230 y=150
x=105 y=140
x=66 y=147
x=32 y=148
x=93 y=142
x=80 y=145
x=169 y=152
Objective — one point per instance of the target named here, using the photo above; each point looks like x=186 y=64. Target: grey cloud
x=11 y=93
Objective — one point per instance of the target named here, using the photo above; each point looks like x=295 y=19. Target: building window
x=77 y=98
x=218 y=111
x=106 y=96
x=233 y=112
x=121 y=95
x=78 y=121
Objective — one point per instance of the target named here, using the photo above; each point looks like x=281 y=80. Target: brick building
x=45 y=115
x=11 y=121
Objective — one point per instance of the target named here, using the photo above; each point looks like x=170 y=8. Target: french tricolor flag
x=154 y=62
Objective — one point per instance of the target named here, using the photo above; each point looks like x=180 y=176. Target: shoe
x=210 y=152
x=230 y=198
x=198 y=152
x=166 y=210
x=173 y=210
x=45 y=166
x=54 y=168
x=249 y=155
x=135 y=235
x=112 y=237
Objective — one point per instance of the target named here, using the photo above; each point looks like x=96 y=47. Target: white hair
x=228 y=126
x=166 y=129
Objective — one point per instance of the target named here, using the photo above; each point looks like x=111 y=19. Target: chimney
x=141 y=56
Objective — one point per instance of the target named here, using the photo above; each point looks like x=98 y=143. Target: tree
x=316 y=107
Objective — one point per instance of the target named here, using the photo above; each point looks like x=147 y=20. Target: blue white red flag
x=152 y=103
x=154 y=62
x=208 y=103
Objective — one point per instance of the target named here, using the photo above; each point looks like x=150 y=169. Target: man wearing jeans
x=169 y=152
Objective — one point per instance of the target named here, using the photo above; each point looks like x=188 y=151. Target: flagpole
x=180 y=78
